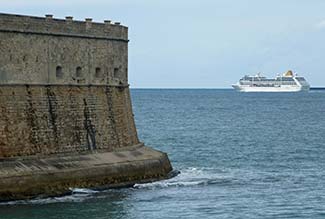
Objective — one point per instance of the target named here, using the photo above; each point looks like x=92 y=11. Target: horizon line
x=198 y=88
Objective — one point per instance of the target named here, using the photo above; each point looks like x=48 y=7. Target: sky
x=206 y=43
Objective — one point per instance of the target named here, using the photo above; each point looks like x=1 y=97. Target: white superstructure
x=287 y=82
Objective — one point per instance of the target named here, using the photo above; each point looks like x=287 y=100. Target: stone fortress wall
x=66 y=118
x=63 y=86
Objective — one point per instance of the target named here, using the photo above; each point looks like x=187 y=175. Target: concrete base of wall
x=30 y=177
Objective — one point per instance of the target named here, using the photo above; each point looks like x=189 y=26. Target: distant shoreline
x=317 y=88
x=158 y=88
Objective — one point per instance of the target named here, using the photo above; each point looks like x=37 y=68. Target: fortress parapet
x=62 y=51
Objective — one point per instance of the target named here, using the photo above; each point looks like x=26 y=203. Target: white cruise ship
x=288 y=82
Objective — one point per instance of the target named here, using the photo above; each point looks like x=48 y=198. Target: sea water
x=241 y=155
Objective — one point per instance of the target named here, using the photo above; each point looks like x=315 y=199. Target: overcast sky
x=205 y=43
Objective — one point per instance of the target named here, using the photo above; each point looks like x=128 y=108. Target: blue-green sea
x=241 y=155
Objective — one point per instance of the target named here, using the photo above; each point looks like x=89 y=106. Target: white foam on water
x=77 y=195
x=82 y=191
x=189 y=177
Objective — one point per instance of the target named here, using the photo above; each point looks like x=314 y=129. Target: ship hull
x=270 y=89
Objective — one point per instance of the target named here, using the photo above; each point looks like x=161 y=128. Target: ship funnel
x=288 y=74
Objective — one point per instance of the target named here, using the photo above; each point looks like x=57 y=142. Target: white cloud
x=320 y=25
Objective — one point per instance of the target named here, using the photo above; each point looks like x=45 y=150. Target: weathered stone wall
x=65 y=111
x=63 y=86
x=52 y=51
x=42 y=120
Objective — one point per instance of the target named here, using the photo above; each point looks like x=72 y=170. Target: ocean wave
x=190 y=177
x=76 y=195
x=82 y=191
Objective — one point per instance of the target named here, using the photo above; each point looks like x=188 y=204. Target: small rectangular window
x=116 y=72
x=98 y=72
x=78 y=72
x=59 y=72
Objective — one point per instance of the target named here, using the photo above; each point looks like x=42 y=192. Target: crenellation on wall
x=51 y=25
x=68 y=19
x=48 y=16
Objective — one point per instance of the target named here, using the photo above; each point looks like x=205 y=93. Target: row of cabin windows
x=79 y=74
